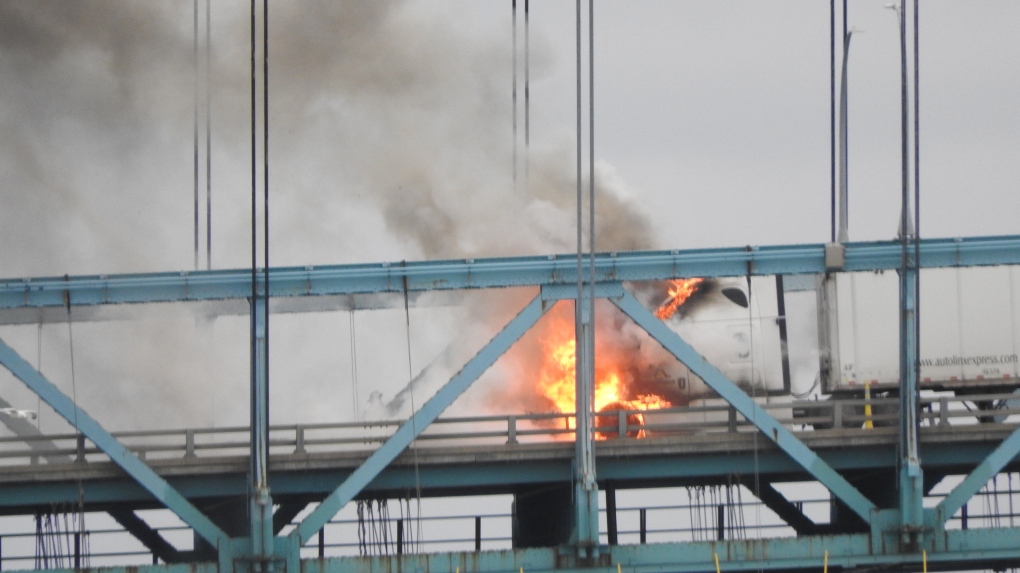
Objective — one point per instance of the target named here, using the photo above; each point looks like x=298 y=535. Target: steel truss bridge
x=883 y=512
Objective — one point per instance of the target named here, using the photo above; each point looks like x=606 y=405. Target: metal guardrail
x=505 y=430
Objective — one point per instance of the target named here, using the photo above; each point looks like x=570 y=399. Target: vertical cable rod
x=527 y=98
x=591 y=185
x=195 y=118
x=254 y=220
x=265 y=188
x=904 y=130
x=513 y=6
x=580 y=186
x=208 y=135
x=832 y=117
x=917 y=195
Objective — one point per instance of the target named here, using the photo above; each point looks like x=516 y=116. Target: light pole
x=843 y=235
x=906 y=226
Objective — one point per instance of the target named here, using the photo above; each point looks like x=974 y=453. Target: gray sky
x=718 y=113
x=712 y=120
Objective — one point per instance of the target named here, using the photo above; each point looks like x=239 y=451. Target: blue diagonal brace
x=974 y=481
x=118 y=454
x=743 y=403
x=410 y=429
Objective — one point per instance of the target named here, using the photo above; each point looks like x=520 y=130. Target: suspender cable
x=580 y=183
x=513 y=6
x=527 y=100
x=265 y=183
x=208 y=135
x=591 y=178
x=195 y=120
x=254 y=243
x=904 y=133
x=832 y=116
x=917 y=194
x=254 y=191
x=580 y=213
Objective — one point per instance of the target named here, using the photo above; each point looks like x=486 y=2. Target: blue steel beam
x=962 y=549
x=977 y=478
x=910 y=473
x=967 y=549
x=410 y=430
x=119 y=454
x=493 y=273
x=499 y=469
x=769 y=426
x=260 y=511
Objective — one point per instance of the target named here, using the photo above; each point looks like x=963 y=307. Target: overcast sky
x=712 y=121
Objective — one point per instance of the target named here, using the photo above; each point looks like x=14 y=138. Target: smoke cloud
x=390 y=138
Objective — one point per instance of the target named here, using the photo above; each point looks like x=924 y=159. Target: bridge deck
x=458 y=463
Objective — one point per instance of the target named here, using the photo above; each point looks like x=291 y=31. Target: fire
x=556 y=383
x=679 y=292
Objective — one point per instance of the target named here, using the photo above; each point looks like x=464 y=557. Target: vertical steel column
x=910 y=474
x=585 y=536
x=586 y=501
x=261 y=503
x=911 y=492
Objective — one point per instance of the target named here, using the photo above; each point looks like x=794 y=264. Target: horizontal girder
x=628 y=463
x=182 y=286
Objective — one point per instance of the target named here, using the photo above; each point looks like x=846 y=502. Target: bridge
x=313 y=471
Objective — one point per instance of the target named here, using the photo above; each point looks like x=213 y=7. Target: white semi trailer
x=969 y=324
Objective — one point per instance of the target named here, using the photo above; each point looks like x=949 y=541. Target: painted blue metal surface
x=260 y=511
x=743 y=403
x=985 y=471
x=410 y=430
x=973 y=549
x=910 y=474
x=955 y=549
x=492 y=473
x=120 y=455
x=492 y=273
x=585 y=534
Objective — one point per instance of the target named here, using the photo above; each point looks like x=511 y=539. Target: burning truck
x=734 y=323
x=970 y=335
x=969 y=344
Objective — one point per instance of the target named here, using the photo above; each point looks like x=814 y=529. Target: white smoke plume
x=390 y=138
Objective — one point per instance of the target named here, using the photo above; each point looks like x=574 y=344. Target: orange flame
x=556 y=383
x=681 y=290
